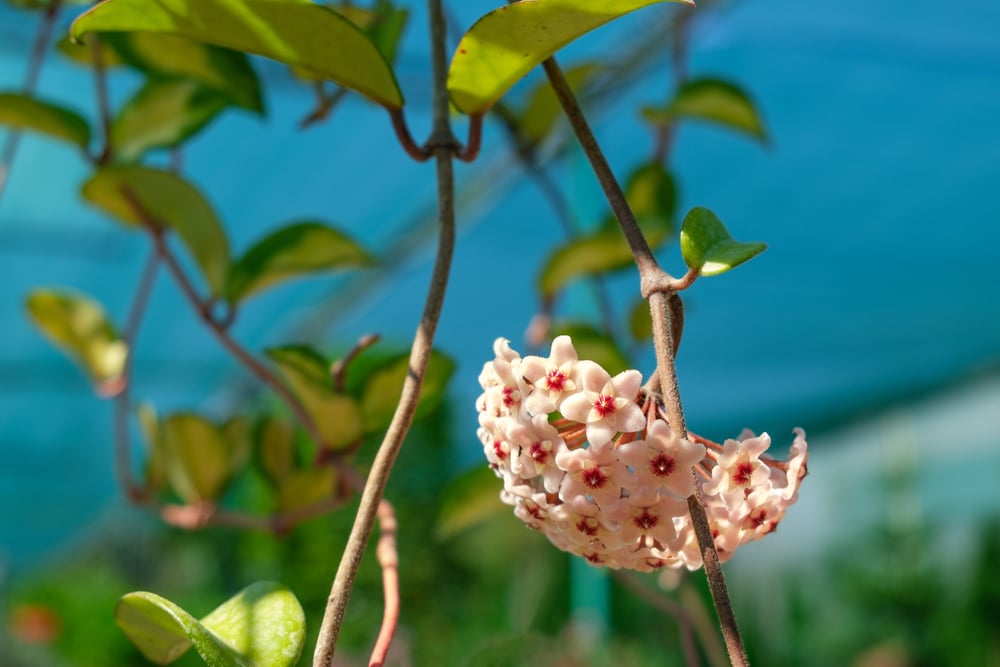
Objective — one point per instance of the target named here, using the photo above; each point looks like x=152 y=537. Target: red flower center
x=604 y=404
x=555 y=380
x=662 y=465
x=743 y=472
x=645 y=521
x=594 y=478
x=538 y=453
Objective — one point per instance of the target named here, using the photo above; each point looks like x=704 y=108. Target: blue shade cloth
x=877 y=197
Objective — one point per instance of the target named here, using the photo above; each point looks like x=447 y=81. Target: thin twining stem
x=466 y=153
x=388 y=560
x=443 y=143
x=656 y=286
x=667 y=606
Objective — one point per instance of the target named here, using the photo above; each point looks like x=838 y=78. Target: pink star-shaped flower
x=605 y=404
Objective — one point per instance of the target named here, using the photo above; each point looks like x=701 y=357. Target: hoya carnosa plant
x=590 y=461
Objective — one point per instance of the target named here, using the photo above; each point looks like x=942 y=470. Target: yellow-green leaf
x=707 y=246
x=261 y=626
x=162 y=55
x=296 y=250
x=337 y=415
x=296 y=32
x=383 y=386
x=542 y=110
x=78 y=324
x=82 y=52
x=503 y=46
x=714 y=101
x=29 y=114
x=197 y=457
x=163 y=114
x=302 y=488
x=171 y=202
x=276 y=448
x=468 y=499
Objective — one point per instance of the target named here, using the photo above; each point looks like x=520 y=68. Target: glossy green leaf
x=504 y=45
x=651 y=195
x=169 y=56
x=78 y=325
x=276 y=448
x=714 y=101
x=383 y=386
x=82 y=52
x=262 y=626
x=198 y=458
x=302 y=488
x=296 y=32
x=29 y=114
x=173 y=203
x=337 y=415
x=297 y=250
x=163 y=114
x=592 y=343
x=469 y=499
x=707 y=246
x=542 y=110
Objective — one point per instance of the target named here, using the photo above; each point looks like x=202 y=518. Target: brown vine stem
x=655 y=285
x=123 y=460
x=444 y=146
x=30 y=81
x=388 y=560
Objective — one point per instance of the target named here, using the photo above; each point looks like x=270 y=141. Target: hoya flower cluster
x=589 y=460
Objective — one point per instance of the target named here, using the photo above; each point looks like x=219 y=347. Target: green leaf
x=542 y=110
x=296 y=250
x=173 y=203
x=296 y=32
x=163 y=114
x=169 y=56
x=302 y=488
x=714 y=101
x=503 y=46
x=384 y=24
x=276 y=448
x=78 y=324
x=640 y=322
x=82 y=53
x=651 y=195
x=262 y=626
x=383 y=386
x=337 y=415
x=591 y=343
x=469 y=499
x=198 y=458
x=29 y=114
x=707 y=246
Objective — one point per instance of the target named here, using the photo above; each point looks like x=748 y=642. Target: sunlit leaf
x=296 y=32
x=297 y=250
x=503 y=46
x=262 y=626
x=302 y=488
x=592 y=343
x=707 y=246
x=82 y=52
x=276 y=448
x=384 y=24
x=337 y=415
x=78 y=325
x=383 y=386
x=197 y=457
x=29 y=114
x=542 y=109
x=163 y=114
x=171 y=202
x=651 y=195
x=162 y=55
x=468 y=499
x=714 y=101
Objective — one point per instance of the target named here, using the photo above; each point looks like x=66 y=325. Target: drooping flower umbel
x=590 y=460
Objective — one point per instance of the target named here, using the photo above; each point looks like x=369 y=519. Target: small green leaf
x=707 y=246
x=173 y=203
x=149 y=425
x=26 y=113
x=504 y=45
x=78 y=325
x=591 y=343
x=383 y=386
x=296 y=250
x=198 y=458
x=542 y=110
x=82 y=53
x=168 y=56
x=468 y=499
x=651 y=195
x=714 y=101
x=640 y=322
x=163 y=114
x=296 y=32
x=302 y=488
x=276 y=448
x=262 y=626
x=337 y=415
